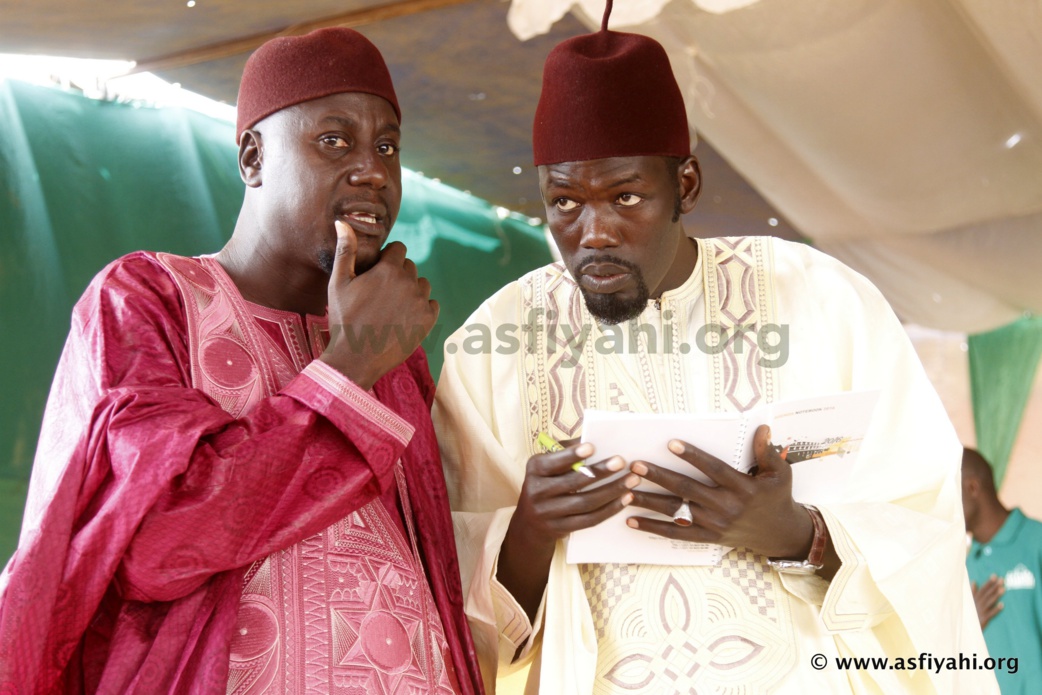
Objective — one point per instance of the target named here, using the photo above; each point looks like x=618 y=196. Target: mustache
x=376 y=203
x=601 y=258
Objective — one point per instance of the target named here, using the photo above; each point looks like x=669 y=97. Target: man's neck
x=989 y=522
x=682 y=267
x=264 y=279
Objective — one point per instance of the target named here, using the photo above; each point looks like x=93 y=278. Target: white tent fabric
x=902 y=136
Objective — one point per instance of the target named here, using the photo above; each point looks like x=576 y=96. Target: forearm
x=242 y=488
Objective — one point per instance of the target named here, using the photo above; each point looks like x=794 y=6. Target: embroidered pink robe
x=149 y=500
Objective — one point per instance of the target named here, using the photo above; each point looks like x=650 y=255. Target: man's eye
x=629 y=199
x=388 y=150
x=565 y=205
x=334 y=141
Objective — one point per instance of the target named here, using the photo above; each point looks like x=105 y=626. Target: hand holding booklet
x=823 y=435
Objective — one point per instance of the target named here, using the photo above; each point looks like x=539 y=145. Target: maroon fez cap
x=609 y=94
x=293 y=69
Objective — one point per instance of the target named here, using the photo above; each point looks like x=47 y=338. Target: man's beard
x=325 y=262
x=610 y=308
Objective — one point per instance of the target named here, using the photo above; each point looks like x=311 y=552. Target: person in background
x=229 y=494
x=1004 y=564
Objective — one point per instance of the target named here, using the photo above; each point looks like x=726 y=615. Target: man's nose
x=598 y=229
x=368 y=169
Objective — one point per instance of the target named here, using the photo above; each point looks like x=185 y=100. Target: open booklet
x=823 y=433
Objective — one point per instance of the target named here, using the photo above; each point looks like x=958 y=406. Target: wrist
x=355 y=370
x=797 y=542
x=813 y=558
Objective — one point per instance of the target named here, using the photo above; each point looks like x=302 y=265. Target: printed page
x=644 y=437
x=823 y=434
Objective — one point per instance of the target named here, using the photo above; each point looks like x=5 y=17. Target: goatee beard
x=610 y=308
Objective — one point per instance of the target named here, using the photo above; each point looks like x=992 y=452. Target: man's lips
x=367 y=219
x=604 y=278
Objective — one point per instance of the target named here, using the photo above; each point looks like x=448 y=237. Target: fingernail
x=584 y=450
x=616 y=463
x=632 y=523
x=339 y=226
x=627 y=498
x=676 y=446
x=632 y=481
x=639 y=468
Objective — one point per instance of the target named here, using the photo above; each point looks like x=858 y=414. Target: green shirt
x=1015 y=554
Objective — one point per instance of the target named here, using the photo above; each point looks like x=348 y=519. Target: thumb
x=344 y=257
x=768 y=457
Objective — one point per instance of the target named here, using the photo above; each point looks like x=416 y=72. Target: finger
x=992 y=593
x=424 y=286
x=394 y=253
x=656 y=502
x=559 y=462
x=667 y=529
x=344 y=258
x=436 y=308
x=574 y=480
x=578 y=522
x=585 y=501
x=768 y=458
x=714 y=469
x=410 y=268
x=584 y=474
x=703 y=515
x=706 y=499
x=685 y=487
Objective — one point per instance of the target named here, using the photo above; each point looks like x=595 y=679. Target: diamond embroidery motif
x=680 y=660
x=686 y=630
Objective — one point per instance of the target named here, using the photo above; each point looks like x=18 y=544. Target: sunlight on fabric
x=108 y=79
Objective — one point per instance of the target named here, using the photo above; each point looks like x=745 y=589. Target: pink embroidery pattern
x=347 y=611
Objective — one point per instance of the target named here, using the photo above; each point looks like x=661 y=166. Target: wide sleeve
x=484 y=459
x=175 y=489
x=899 y=530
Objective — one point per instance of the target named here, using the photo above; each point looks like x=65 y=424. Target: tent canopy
x=903 y=137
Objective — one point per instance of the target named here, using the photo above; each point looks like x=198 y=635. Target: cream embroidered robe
x=797 y=323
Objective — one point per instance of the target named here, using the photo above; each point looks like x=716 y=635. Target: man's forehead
x=346 y=110
x=609 y=171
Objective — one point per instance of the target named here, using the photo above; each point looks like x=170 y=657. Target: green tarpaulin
x=83 y=182
x=1002 y=373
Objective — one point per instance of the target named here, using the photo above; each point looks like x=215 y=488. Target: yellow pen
x=550 y=445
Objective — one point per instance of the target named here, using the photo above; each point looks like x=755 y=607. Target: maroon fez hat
x=609 y=94
x=293 y=69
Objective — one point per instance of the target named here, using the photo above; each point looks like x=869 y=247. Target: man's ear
x=251 y=152
x=690 y=176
